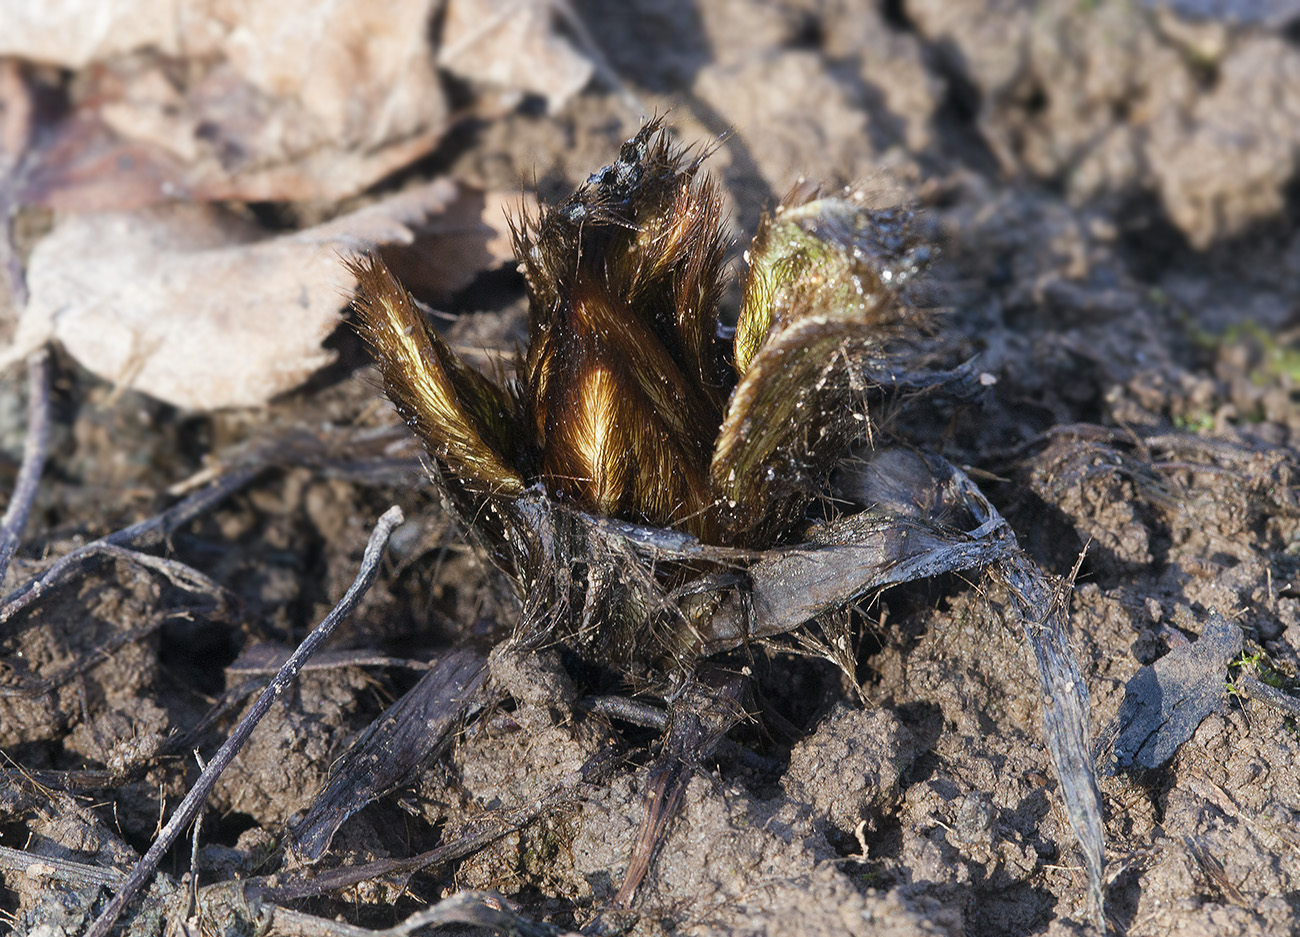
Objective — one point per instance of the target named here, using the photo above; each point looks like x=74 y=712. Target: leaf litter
x=191 y=304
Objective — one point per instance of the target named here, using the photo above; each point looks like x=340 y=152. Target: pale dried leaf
x=74 y=33
x=364 y=70
x=512 y=44
x=291 y=100
x=194 y=305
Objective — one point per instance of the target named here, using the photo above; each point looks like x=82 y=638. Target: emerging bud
x=626 y=403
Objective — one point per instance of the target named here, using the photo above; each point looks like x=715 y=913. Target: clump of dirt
x=1115 y=190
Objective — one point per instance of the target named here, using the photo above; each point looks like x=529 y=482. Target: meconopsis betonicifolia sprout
x=627 y=402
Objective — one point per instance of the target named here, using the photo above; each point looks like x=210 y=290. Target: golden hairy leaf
x=824 y=299
x=461 y=417
x=696 y=243
x=624 y=377
x=623 y=403
x=647 y=230
x=800 y=404
x=827 y=256
x=618 y=419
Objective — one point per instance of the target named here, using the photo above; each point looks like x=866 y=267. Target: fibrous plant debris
x=657 y=494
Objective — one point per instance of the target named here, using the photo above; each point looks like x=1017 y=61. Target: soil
x=1115 y=191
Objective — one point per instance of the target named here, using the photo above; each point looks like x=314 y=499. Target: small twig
x=1256 y=689
x=147 y=533
x=194 y=852
x=179 y=574
x=268 y=658
x=1212 y=869
x=628 y=710
x=71 y=782
x=198 y=794
x=1196 y=467
x=474 y=908
x=370 y=455
x=154 y=530
x=64 y=870
x=34 y=448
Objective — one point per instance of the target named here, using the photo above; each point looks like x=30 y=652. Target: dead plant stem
x=34 y=449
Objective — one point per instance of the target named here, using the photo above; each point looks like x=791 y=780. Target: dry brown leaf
x=512 y=44
x=196 y=306
x=467 y=238
x=251 y=101
x=233 y=99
